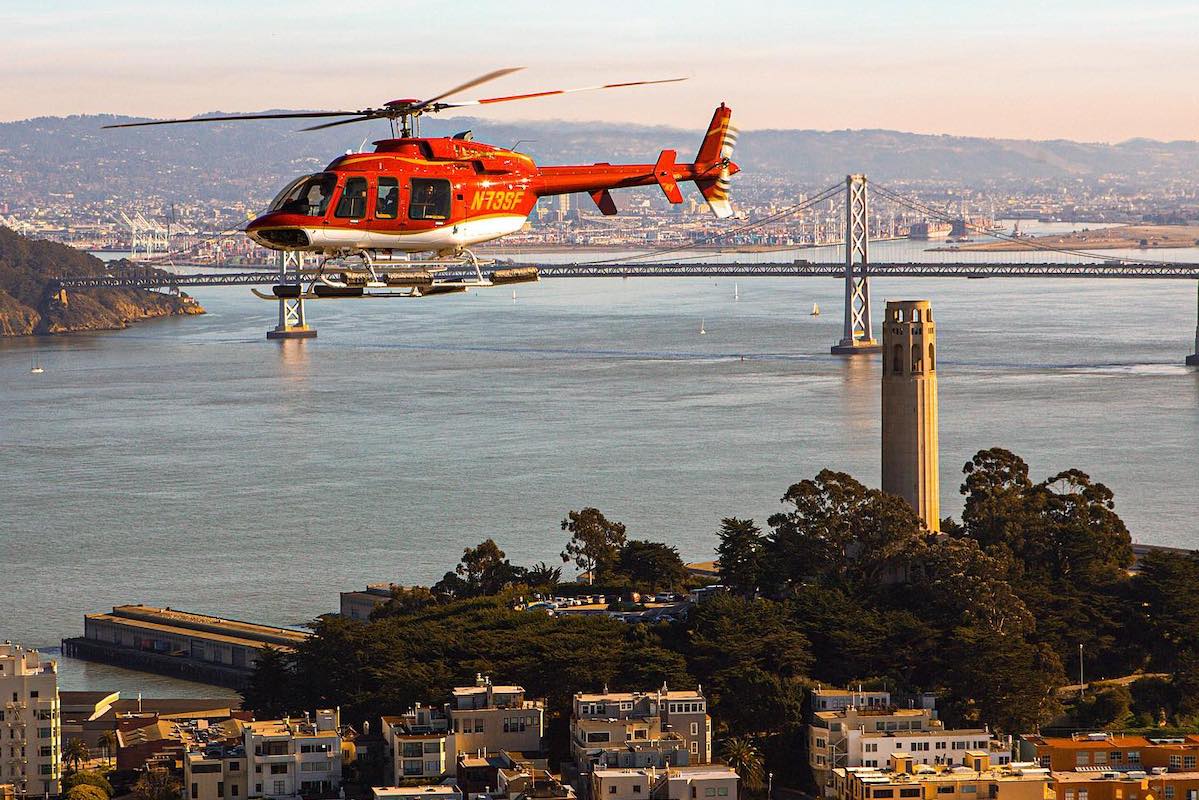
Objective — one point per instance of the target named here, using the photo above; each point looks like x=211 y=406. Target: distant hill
x=251 y=160
x=28 y=304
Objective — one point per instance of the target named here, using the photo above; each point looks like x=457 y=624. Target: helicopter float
x=367 y=215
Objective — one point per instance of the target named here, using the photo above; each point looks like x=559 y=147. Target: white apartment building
x=640 y=729
x=870 y=729
x=30 y=720
x=287 y=758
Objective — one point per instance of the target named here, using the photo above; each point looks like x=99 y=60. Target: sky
x=1088 y=71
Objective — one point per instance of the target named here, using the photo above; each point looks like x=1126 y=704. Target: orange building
x=1108 y=751
x=1130 y=785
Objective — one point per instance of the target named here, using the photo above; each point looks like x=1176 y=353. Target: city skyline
x=1012 y=71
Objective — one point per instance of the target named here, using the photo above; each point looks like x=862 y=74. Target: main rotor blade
x=296 y=115
x=490 y=76
x=534 y=95
x=361 y=118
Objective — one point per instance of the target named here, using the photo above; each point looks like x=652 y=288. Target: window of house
x=387 y=198
x=695 y=729
x=722 y=791
x=413 y=768
x=1175 y=762
x=636 y=788
x=431 y=200
x=969 y=789
x=694 y=748
x=1069 y=794
x=612 y=789
x=278 y=769
x=710 y=791
x=1082 y=794
x=1134 y=756
x=1082 y=759
x=1188 y=762
x=352 y=204
x=195 y=791
x=220 y=788
x=233 y=790
x=949 y=790
x=280 y=787
x=883 y=793
x=912 y=792
x=1169 y=792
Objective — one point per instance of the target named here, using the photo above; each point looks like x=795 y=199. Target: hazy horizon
x=1101 y=72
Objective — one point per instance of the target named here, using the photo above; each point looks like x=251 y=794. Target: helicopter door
x=349 y=211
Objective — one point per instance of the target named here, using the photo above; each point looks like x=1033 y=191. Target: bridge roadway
x=162 y=279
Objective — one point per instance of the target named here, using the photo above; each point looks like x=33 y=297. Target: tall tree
x=486 y=569
x=74 y=753
x=595 y=542
x=652 y=565
x=270 y=691
x=109 y=743
x=542 y=576
x=156 y=784
x=740 y=753
x=835 y=531
x=739 y=555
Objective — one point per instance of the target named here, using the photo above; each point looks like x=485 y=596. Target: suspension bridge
x=855 y=270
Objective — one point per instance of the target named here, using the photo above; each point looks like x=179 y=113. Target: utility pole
x=1082 y=686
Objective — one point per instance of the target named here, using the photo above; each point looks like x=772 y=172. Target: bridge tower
x=857 y=336
x=1193 y=358
x=293 y=324
x=910 y=448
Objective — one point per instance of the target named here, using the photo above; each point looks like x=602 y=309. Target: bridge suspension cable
x=1024 y=242
x=825 y=194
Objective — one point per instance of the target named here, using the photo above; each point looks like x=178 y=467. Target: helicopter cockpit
x=308 y=195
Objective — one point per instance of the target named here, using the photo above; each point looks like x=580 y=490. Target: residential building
x=640 y=729
x=974 y=779
x=419 y=744
x=422 y=792
x=864 y=729
x=490 y=718
x=30 y=720
x=425 y=743
x=359 y=605
x=1109 y=751
x=1160 y=784
x=702 y=782
x=274 y=759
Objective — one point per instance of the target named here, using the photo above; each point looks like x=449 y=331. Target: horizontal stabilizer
x=603 y=199
x=664 y=174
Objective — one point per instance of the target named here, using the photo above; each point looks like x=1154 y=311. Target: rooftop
x=166 y=627
x=190 y=620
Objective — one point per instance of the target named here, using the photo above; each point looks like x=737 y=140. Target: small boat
x=701 y=326
x=736 y=292
x=35 y=367
x=513 y=295
x=815 y=310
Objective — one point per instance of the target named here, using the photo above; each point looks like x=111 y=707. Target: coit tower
x=910 y=408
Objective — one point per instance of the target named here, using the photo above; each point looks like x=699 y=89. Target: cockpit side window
x=387 y=199
x=308 y=195
x=430 y=199
x=353 y=199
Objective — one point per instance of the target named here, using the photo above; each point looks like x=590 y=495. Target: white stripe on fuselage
x=450 y=236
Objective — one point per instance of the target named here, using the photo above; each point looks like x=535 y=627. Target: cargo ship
x=923 y=231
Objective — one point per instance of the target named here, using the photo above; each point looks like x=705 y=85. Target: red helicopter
x=442 y=195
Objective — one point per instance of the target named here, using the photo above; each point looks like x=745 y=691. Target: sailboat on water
x=701 y=327
x=35 y=366
x=736 y=291
x=815 y=310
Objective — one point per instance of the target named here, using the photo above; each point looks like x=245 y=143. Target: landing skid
x=382 y=275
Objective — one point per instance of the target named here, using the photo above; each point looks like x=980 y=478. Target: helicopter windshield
x=308 y=195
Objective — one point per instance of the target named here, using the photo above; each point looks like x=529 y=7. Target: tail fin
x=714 y=157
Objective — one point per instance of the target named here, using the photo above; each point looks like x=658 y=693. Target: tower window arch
x=932 y=357
x=917 y=365
x=897 y=361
